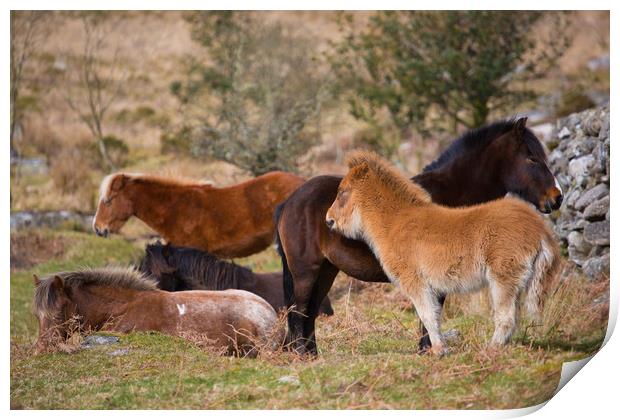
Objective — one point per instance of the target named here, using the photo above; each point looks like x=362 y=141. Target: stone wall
x=51 y=220
x=579 y=156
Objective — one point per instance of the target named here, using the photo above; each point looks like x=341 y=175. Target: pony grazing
x=124 y=300
x=229 y=222
x=427 y=249
x=177 y=268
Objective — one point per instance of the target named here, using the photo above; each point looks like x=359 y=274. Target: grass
x=367 y=353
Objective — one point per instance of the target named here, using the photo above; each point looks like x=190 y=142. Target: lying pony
x=124 y=300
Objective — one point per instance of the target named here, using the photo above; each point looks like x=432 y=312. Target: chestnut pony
x=178 y=268
x=124 y=300
x=427 y=249
x=482 y=165
x=229 y=222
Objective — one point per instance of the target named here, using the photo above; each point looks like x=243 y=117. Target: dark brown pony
x=229 y=222
x=176 y=269
x=482 y=165
x=124 y=300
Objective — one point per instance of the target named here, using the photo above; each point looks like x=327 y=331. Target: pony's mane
x=159 y=179
x=119 y=277
x=475 y=140
x=391 y=177
x=197 y=266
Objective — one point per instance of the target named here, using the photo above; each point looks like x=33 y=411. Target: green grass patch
x=367 y=357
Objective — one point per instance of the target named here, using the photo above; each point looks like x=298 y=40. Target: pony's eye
x=531 y=161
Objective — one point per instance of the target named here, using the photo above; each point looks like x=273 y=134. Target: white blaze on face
x=105 y=187
x=181 y=308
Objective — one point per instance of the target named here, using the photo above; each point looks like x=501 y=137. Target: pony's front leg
x=429 y=310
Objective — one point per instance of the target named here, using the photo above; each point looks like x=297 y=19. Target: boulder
x=580 y=168
x=564 y=133
x=591 y=195
x=597 y=233
x=578 y=248
x=597 y=210
x=98 y=340
x=594 y=267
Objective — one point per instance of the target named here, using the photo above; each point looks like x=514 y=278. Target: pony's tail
x=545 y=269
x=287 y=276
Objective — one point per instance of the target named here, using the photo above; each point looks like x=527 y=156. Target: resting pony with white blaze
x=427 y=249
x=124 y=300
x=230 y=222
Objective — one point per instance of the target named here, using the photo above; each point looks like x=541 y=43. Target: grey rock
x=592 y=125
x=601 y=154
x=118 y=352
x=567 y=223
x=50 y=219
x=578 y=248
x=580 y=168
x=597 y=210
x=98 y=340
x=576 y=240
x=598 y=63
x=596 y=266
x=578 y=148
x=572 y=197
x=564 y=133
x=557 y=159
x=34 y=166
x=451 y=335
x=291 y=380
x=591 y=195
x=597 y=233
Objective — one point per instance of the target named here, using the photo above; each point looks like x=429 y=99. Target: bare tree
x=95 y=85
x=255 y=102
x=27 y=31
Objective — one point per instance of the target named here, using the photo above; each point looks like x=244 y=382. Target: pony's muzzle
x=102 y=232
x=552 y=201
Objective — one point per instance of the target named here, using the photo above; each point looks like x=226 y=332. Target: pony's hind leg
x=504 y=299
x=429 y=310
x=324 y=282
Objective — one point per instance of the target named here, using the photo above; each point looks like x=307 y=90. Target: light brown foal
x=427 y=249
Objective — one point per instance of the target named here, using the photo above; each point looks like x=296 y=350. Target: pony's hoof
x=424 y=345
x=439 y=351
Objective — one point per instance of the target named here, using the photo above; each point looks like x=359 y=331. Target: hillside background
x=55 y=164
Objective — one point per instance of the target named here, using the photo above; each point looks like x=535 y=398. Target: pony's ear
x=359 y=171
x=36 y=279
x=58 y=283
x=119 y=182
x=519 y=127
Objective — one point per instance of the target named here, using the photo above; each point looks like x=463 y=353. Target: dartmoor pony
x=427 y=249
x=480 y=166
x=177 y=268
x=124 y=300
x=229 y=222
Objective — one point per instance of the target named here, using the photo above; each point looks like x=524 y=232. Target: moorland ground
x=367 y=350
